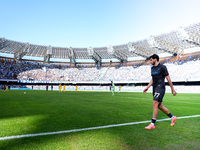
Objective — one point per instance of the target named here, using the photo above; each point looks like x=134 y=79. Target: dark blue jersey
x=158 y=74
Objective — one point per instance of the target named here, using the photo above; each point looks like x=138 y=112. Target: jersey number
x=156 y=94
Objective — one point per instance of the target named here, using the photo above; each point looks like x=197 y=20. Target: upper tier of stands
x=171 y=43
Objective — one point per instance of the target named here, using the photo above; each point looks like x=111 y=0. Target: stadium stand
x=181 y=70
x=103 y=53
x=81 y=53
x=179 y=51
x=170 y=42
x=122 y=52
x=37 y=50
x=173 y=43
x=192 y=34
x=58 y=52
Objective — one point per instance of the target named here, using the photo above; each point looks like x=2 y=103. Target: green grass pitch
x=41 y=111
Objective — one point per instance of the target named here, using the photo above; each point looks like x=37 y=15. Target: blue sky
x=95 y=23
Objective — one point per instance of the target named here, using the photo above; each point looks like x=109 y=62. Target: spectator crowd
x=22 y=70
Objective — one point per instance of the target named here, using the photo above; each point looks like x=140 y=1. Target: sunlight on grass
x=19 y=125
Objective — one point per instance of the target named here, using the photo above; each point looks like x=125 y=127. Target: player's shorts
x=158 y=94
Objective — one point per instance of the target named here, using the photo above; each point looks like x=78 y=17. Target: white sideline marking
x=86 y=129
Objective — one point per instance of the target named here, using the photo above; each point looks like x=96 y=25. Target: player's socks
x=153 y=124
x=170 y=116
x=153 y=121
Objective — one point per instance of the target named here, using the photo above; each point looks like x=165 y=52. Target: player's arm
x=171 y=85
x=148 y=86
